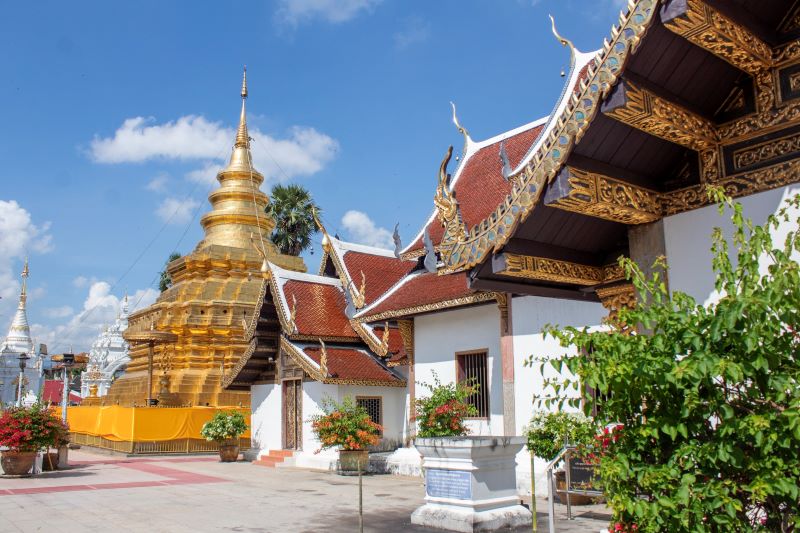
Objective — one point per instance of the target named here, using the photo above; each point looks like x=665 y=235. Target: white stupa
x=108 y=356
x=18 y=341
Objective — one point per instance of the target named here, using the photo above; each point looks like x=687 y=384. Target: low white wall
x=265 y=417
x=437 y=338
x=688 y=240
x=529 y=315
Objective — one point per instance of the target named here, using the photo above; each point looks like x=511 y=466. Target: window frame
x=380 y=408
x=487 y=388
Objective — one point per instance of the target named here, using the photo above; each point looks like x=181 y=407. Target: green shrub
x=226 y=425
x=548 y=432
x=708 y=396
x=442 y=413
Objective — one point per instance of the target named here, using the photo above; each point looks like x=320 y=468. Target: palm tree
x=165 y=282
x=291 y=207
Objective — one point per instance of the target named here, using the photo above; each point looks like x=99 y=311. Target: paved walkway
x=164 y=494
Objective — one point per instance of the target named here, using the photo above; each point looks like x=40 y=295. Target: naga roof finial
x=564 y=41
x=461 y=129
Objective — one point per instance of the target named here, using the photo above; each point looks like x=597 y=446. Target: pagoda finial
x=23 y=295
x=242 y=138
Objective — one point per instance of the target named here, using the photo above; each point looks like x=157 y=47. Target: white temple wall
x=529 y=315
x=265 y=417
x=688 y=240
x=437 y=339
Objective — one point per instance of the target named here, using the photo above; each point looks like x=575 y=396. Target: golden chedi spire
x=238 y=205
x=216 y=289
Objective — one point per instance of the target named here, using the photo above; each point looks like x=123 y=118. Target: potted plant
x=225 y=428
x=470 y=482
x=25 y=431
x=549 y=432
x=60 y=441
x=349 y=427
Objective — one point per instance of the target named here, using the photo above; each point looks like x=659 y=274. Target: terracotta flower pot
x=50 y=461
x=350 y=460
x=228 y=453
x=17 y=463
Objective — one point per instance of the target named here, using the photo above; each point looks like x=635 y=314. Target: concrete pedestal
x=470 y=484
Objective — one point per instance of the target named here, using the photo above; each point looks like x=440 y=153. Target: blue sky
x=115 y=116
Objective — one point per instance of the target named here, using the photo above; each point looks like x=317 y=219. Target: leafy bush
x=548 y=432
x=708 y=395
x=30 y=429
x=225 y=425
x=442 y=413
x=346 y=425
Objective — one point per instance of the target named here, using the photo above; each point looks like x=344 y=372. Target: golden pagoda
x=214 y=293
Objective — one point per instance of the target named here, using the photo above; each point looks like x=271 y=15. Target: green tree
x=708 y=396
x=292 y=208
x=165 y=281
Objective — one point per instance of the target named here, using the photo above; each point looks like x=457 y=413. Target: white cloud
x=19 y=236
x=158 y=183
x=137 y=140
x=206 y=174
x=100 y=308
x=294 y=12
x=302 y=152
x=361 y=229
x=58 y=312
x=415 y=30
x=177 y=211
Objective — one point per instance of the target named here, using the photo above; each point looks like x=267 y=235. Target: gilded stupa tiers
x=214 y=293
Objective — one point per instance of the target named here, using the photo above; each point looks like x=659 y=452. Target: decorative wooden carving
x=546 y=269
x=615 y=298
x=406 y=327
x=601 y=196
x=639 y=108
x=703 y=26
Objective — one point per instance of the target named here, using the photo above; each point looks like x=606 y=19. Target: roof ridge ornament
x=398 y=244
x=461 y=129
x=564 y=42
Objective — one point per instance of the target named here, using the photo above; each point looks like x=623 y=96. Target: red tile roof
x=380 y=272
x=480 y=187
x=351 y=363
x=395 y=339
x=421 y=289
x=320 y=309
x=52 y=391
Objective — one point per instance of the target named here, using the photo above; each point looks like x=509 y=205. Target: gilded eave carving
x=558 y=271
x=474 y=298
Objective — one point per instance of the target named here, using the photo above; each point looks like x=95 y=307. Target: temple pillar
x=507 y=363
x=406 y=327
x=646 y=243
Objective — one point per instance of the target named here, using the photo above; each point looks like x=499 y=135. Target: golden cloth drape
x=138 y=424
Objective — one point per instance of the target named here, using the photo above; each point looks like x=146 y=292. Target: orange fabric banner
x=139 y=424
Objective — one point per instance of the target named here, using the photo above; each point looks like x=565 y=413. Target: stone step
x=275 y=458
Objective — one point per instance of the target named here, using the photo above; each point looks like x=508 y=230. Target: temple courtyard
x=174 y=494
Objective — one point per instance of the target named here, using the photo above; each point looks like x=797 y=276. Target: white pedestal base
x=461 y=519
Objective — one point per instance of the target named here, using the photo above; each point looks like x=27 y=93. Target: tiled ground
x=102 y=493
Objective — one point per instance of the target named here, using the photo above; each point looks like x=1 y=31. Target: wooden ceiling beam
x=600 y=196
x=708 y=28
x=642 y=109
x=553 y=270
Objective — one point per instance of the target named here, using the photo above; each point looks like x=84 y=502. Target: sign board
x=581 y=474
x=452 y=484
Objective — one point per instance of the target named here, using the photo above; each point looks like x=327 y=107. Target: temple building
x=214 y=292
x=528 y=231
x=108 y=357
x=18 y=341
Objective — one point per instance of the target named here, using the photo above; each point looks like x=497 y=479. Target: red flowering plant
x=30 y=429
x=346 y=425
x=442 y=413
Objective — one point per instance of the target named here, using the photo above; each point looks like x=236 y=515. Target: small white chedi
x=470 y=484
x=108 y=356
x=18 y=341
